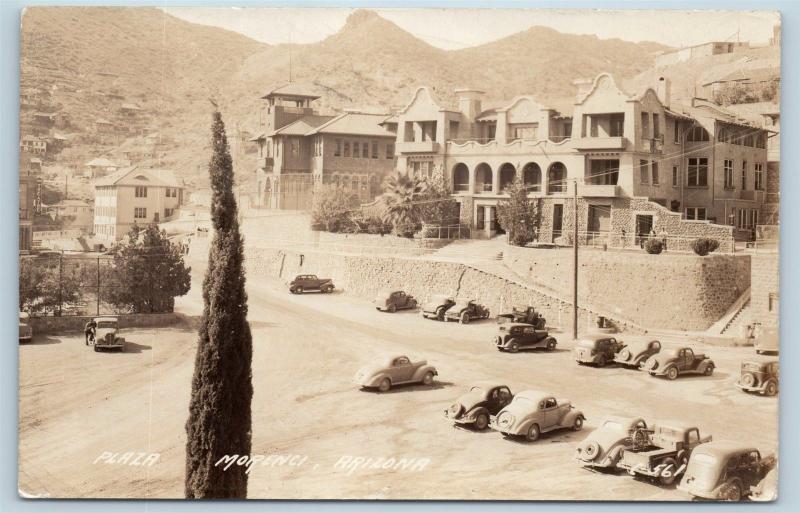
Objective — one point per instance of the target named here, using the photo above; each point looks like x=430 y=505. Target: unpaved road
x=76 y=404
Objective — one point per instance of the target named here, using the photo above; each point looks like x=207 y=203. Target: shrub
x=332 y=207
x=704 y=246
x=654 y=246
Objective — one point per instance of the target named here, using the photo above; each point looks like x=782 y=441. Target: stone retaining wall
x=671 y=291
x=66 y=324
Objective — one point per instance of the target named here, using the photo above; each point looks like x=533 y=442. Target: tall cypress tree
x=219 y=421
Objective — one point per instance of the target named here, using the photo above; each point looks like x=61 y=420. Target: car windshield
x=440 y=298
x=612 y=424
x=524 y=402
x=476 y=388
x=106 y=324
x=587 y=343
x=703 y=468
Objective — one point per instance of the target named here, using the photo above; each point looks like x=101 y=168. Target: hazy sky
x=459 y=28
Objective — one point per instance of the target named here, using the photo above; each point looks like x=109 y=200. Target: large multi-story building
x=301 y=149
x=134 y=195
x=636 y=164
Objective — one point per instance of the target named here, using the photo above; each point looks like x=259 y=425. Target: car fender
x=419 y=373
x=474 y=412
x=570 y=416
x=704 y=365
x=523 y=426
x=376 y=379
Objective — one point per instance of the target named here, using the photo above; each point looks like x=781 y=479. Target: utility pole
x=60 y=281
x=575 y=263
x=98 y=285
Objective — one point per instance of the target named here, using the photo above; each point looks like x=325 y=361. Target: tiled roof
x=303 y=126
x=101 y=162
x=293 y=89
x=351 y=123
x=128 y=176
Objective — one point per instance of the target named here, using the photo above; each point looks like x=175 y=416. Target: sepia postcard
x=399 y=254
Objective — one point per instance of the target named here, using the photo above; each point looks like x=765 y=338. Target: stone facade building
x=300 y=149
x=637 y=164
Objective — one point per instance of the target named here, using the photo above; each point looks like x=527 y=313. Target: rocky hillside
x=90 y=61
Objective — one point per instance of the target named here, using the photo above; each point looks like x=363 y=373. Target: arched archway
x=532 y=177
x=460 y=178
x=556 y=174
x=507 y=174
x=483 y=178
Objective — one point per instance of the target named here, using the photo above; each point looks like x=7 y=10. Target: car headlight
x=653 y=364
x=505 y=420
x=455 y=410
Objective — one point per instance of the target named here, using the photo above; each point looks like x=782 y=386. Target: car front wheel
x=427 y=379
x=709 y=370
x=298 y=290
x=385 y=385
x=465 y=318
x=440 y=313
x=513 y=347
x=481 y=421
x=578 y=424
x=771 y=388
x=732 y=492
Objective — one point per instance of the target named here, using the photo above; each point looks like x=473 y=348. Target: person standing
x=90 y=330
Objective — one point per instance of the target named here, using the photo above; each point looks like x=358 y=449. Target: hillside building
x=27 y=192
x=640 y=165
x=300 y=149
x=134 y=195
x=701 y=50
x=74 y=215
x=32 y=144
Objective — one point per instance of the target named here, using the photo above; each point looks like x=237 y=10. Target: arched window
x=532 y=177
x=483 y=178
x=697 y=134
x=556 y=174
x=460 y=178
x=507 y=174
x=725 y=135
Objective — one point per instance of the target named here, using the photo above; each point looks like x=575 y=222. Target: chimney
x=583 y=85
x=469 y=102
x=663 y=91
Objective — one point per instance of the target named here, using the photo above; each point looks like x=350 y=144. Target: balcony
x=417 y=147
x=600 y=143
x=598 y=191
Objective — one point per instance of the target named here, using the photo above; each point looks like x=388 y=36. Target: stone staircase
x=742 y=318
x=470 y=250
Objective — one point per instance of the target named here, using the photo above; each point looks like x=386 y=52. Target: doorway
x=558 y=220
x=644 y=225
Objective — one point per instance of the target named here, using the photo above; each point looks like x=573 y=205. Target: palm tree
x=402 y=192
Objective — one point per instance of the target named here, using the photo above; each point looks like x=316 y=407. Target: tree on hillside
x=403 y=193
x=148 y=272
x=220 y=422
x=518 y=215
x=332 y=207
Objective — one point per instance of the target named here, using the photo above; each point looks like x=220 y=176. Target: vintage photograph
x=399 y=254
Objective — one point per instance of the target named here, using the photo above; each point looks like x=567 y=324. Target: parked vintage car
x=532 y=413
x=724 y=471
x=437 y=306
x=105 y=336
x=305 y=282
x=604 y=446
x=25 y=329
x=761 y=377
x=635 y=352
x=394 y=300
x=384 y=373
x=767 y=489
x=598 y=349
x=465 y=310
x=661 y=453
x=512 y=337
x=484 y=399
x=525 y=315
x=765 y=340
x=671 y=363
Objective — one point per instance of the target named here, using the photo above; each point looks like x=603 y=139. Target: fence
x=615 y=240
x=75 y=285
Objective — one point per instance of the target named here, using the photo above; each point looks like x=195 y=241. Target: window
x=141 y=191
x=337 y=151
x=744 y=175
x=697 y=134
x=741 y=218
x=761 y=141
x=525 y=131
x=759 y=172
x=748 y=140
x=656 y=126
x=453 y=129
x=675 y=176
x=644 y=172
x=772 y=299
x=616 y=126
x=696 y=213
x=346 y=148
x=697 y=172
x=389 y=150
x=676 y=132
x=374 y=149
x=294 y=147
x=645 y=125
x=140 y=213
x=654 y=167
x=727 y=168
x=422 y=168
x=356 y=150
x=365 y=150
x=168 y=212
